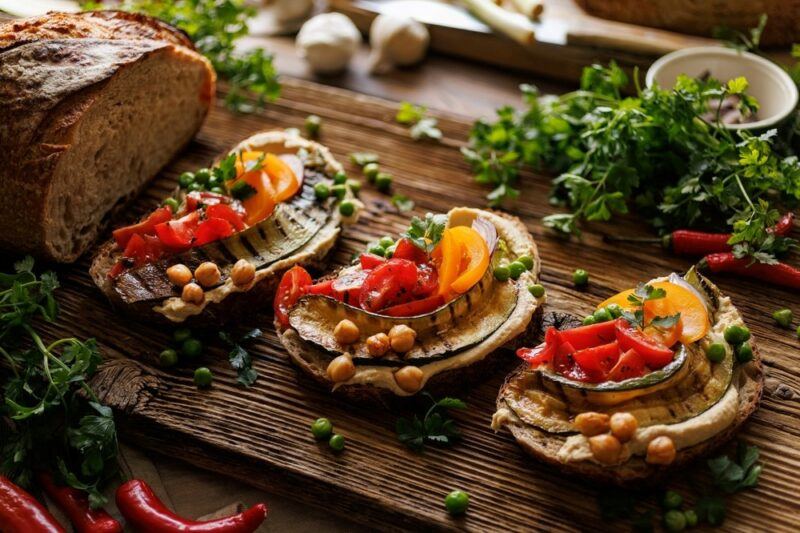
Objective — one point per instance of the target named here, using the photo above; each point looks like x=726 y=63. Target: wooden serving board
x=261 y=435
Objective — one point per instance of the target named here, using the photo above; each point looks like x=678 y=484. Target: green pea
x=181 y=334
x=674 y=520
x=383 y=181
x=527 y=261
x=537 y=291
x=354 y=186
x=736 y=334
x=172 y=203
x=456 y=502
x=615 y=310
x=377 y=249
x=339 y=191
x=691 y=517
x=203 y=377
x=192 y=348
x=716 y=352
x=196 y=186
x=217 y=190
x=186 y=179
x=744 y=353
x=386 y=241
x=371 y=171
x=783 y=317
x=347 y=208
x=589 y=320
x=339 y=178
x=602 y=315
x=322 y=191
x=580 y=278
x=672 y=500
x=214 y=181
x=336 y=442
x=168 y=358
x=515 y=268
x=390 y=251
x=501 y=273
x=321 y=428
x=312 y=125
x=202 y=176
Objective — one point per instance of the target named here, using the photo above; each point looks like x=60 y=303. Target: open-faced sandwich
x=657 y=376
x=219 y=245
x=428 y=311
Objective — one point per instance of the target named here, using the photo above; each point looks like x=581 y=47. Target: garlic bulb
x=328 y=42
x=396 y=40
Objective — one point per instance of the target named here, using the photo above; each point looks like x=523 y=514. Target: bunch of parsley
x=214 y=26
x=651 y=152
x=435 y=426
x=50 y=417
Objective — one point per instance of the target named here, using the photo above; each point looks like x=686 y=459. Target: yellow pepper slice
x=464 y=257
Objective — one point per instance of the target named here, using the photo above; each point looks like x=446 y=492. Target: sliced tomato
x=294 y=284
x=415 y=307
x=629 y=365
x=590 y=336
x=324 y=288
x=347 y=288
x=389 y=284
x=598 y=360
x=226 y=212
x=212 y=229
x=563 y=361
x=655 y=355
x=405 y=249
x=196 y=199
x=178 y=234
x=543 y=353
x=370 y=261
x=427 y=280
x=116 y=270
x=145 y=227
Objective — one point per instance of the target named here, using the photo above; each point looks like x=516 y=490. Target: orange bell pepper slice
x=261 y=204
x=246 y=157
x=283 y=178
x=464 y=258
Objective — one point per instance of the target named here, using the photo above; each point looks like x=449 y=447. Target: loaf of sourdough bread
x=92 y=106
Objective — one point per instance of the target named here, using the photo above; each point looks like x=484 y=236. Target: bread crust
x=545 y=446
x=53 y=70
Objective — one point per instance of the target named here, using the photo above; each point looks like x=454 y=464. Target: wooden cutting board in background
x=261 y=435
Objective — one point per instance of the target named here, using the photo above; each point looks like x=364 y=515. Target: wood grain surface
x=261 y=435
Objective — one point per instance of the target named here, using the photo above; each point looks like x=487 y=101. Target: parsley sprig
x=239 y=357
x=426 y=233
x=416 y=116
x=50 y=417
x=635 y=316
x=434 y=427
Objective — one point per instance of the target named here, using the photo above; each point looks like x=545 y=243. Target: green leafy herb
x=644 y=293
x=434 y=427
x=239 y=357
x=215 y=26
x=734 y=475
x=402 y=202
x=422 y=126
x=241 y=190
x=426 y=233
x=51 y=418
x=652 y=152
x=749 y=41
x=363 y=158
x=226 y=169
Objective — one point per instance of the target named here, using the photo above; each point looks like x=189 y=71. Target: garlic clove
x=327 y=42
x=396 y=40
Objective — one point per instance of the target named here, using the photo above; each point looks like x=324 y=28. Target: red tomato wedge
x=323 y=288
x=655 y=355
x=598 y=360
x=227 y=213
x=212 y=229
x=178 y=234
x=405 y=249
x=629 y=365
x=427 y=280
x=543 y=353
x=415 y=307
x=389 y=284
x=145 y=227
x=347 y=288
x=293 y=285
x=370 y=261
x=564 y=363
x=590 y=336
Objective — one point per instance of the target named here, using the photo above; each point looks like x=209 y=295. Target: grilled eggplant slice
x=300 y=230
x=697 y=403
x=461 y=334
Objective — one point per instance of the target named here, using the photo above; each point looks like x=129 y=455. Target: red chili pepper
x=145 y=512
x=75 y=505
x=784 y=225
x=21 y=513
x=778 y=274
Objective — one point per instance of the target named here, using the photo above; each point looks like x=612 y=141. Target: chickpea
x=179 y=275
x=606 y=448
x=193 y=293
x=378 y=344
x=660 y=451
x=207 y=274
x=591 y=423
x=623 y=426
x=341 y=368
x=242 y=272
x=346 y=332
x=402 y=338
x=409 y=378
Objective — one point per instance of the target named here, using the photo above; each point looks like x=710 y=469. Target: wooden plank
x=261 y=435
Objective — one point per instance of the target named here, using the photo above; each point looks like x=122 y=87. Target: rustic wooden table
x=440 y=83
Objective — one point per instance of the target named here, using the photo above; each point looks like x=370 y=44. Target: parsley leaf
x=422 y=126
x=410 y=113
x=426 y=233
x=434 y=427
x=239 y=357
x=402 y=202
x=241 y=190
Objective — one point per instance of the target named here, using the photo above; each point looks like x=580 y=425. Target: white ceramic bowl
x=770 y=85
